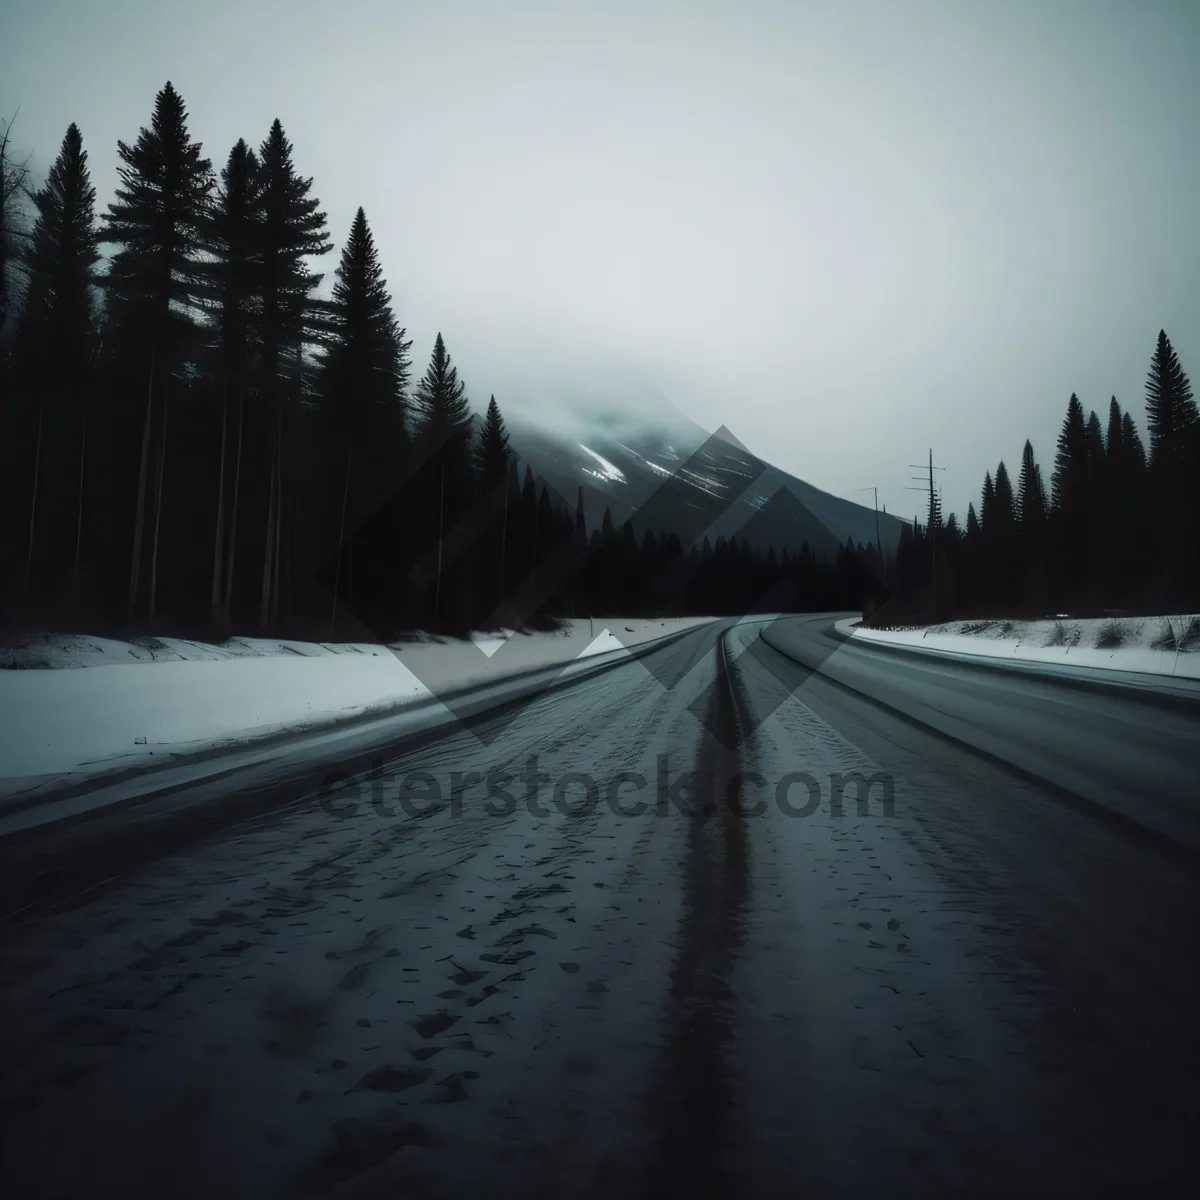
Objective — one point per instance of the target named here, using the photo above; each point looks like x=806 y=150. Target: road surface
x=621 y=939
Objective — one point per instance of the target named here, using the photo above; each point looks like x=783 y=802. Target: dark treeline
x=194 y=441
x=1117 y=529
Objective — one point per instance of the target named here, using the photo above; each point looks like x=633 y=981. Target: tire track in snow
x=694 y=1096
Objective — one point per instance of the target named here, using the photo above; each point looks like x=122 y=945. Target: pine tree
x=987 y=504
x=445 y=440
x=491 y=453
x=1174 y=472
x=1170 y=410
x=364 y=374
x=1131 y=441
x=972 y=522
x=491 y=463
x=1071 y=496
x=55 y=334
x=232 y=238
x=1120 y=515
x=442 y=404
x=1005 y=508
x=1031 y=494
x=1113 y=447
x=1095 y=448
x=157 y=220
x=1069 y=481
x=1132 y=502
x=293 y=230
x=1029 y=553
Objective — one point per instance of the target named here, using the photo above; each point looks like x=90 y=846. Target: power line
x=931 y=526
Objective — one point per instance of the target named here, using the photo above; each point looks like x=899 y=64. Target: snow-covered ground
x=117 y=705
x=1147 y=645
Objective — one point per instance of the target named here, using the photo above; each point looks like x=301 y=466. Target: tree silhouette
x=1170 y=410
x=1131 y=442
x=987 y=503
x=1005 y=508
x=292 y=231
x=232 y=274
x=1070 y=495
x=364 y=374
x=157 y=220
x=1031 y=494
x=1114 y=447
x=491 y=457
x=1094 y=434
x=1174 y=468
x=491 y=464
x=289 y=446
x=445 y=450
x=1031 y=518
x=1069 y=480
x=54 y=343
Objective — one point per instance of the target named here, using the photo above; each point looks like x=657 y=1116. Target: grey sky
x=849 y=231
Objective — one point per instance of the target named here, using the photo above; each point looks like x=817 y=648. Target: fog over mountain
x=648 y=462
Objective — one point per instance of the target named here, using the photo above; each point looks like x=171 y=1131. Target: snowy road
x=429 y=983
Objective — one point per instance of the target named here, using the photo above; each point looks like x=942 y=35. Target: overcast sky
x=849 y=231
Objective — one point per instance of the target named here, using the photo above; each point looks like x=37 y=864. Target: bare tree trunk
x=282 y=530
x=264 y=601
x=271 y=395
x=79 y=512
x=139 y=519
x=158 y=490
x=219 y=541
x=287 y=610
x=287 y=514
x=277 y=549
x=227 y=604
x=37 y=463
x=337 y=571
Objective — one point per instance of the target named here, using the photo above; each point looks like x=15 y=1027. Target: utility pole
x=878 y=540
x=931 y=527
x=932 y=541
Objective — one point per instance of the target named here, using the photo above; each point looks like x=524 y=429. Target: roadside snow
x=1147 y=645
x=119 y=704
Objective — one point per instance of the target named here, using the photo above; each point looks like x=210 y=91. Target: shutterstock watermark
x=393 y=794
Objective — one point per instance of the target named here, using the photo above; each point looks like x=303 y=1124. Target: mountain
x=662 y=471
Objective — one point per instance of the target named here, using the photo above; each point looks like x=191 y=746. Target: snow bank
x=119 y=704
x=1147 y=645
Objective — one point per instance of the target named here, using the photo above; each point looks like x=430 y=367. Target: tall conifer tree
x=293 y=230
x=365 y=374
x=55 y=341
x=445 y=448
x=1170 y=409
x=233 y=275
x=1031 y=495
x=491 y=464
x=157 y=221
